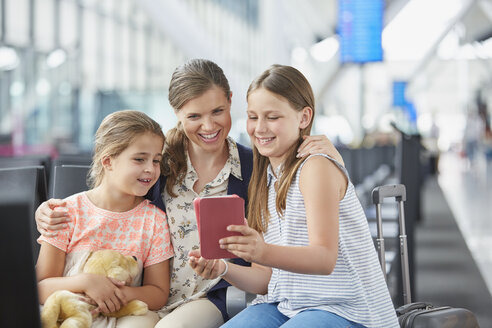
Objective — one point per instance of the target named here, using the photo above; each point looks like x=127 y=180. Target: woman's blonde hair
x=290 y=84
x=189 y=81
x=116 y=132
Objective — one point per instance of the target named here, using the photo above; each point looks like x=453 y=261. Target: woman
x=199 y=160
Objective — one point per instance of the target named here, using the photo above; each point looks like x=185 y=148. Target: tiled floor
x=468 y=191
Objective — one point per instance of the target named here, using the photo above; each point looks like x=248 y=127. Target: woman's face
x=206 y=120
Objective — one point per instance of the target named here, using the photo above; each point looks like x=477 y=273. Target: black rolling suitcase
x=418 y=314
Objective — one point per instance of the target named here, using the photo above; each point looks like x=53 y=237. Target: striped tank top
x=355 y=290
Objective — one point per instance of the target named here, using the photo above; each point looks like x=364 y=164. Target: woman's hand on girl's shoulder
x=51 y=216
x=319 y=144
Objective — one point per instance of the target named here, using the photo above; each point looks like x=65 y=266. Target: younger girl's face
x=137 y=168
x=206 y=120
x=273 y=125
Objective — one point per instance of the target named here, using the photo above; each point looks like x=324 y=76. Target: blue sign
x=411 y=112
x=360 y=25
x=399 y=99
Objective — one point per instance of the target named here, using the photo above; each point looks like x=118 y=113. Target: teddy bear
x=68 y=309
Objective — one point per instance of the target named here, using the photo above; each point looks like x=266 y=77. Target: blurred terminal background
x=403 y=89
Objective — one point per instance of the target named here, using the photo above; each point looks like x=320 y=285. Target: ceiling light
x=8 y=58
x=324 y=50
x=56 y=58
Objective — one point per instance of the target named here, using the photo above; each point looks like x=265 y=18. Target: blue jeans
x=266 y=315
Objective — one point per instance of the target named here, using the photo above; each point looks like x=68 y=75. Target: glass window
x=89 y=49
x=125 y=9
x=88 y=3
x=108 y=6
x=246 y=10
x=40 y=119
x=155 y=70
x=110 y=62
x=44 y=29
x=124 y=50
x=68 y=24
x=2 y=20
x=5 y=87
x=140 y=60
x=17 y=22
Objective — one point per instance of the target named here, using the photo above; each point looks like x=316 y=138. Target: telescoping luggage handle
x=378 y=195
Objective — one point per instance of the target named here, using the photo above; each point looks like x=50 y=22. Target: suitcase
x=418 y=314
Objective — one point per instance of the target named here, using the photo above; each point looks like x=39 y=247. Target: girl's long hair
x=188 y=81
x=116 y=132
x=291 y=84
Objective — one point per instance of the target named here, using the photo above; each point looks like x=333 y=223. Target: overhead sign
x=360 y=25
x=399 y=98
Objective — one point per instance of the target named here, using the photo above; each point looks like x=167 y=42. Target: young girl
x=114 y=215
x=314 y=262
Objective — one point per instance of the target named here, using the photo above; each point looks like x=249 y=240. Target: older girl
x=314 y=262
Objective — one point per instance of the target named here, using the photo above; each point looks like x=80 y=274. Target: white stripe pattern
x=355 y=290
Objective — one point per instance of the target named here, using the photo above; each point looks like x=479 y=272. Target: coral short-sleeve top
x=141 y=232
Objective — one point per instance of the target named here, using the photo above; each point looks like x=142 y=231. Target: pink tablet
x=213 y=215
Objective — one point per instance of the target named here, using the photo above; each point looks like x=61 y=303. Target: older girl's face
x=273 y=125
x=206 y=120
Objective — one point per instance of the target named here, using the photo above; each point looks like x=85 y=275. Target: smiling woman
x=200 y=94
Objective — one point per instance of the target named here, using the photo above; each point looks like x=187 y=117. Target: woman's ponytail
x=174 y=157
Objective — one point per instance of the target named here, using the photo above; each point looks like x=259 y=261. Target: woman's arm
x=322 y=185
x=50 y=217
x=252 y=279
x=155 y=288
x=49 y=270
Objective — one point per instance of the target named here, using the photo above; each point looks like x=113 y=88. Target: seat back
x=28 y=185
x=73 y=159
x=68 y=180
x=19 y=304
x=28 y=160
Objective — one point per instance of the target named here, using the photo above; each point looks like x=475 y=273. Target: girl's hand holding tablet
x=250 y=246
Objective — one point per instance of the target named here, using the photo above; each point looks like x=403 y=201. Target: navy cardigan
x=217 y=294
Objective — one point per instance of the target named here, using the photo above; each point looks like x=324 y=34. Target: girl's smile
x=265 y=141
